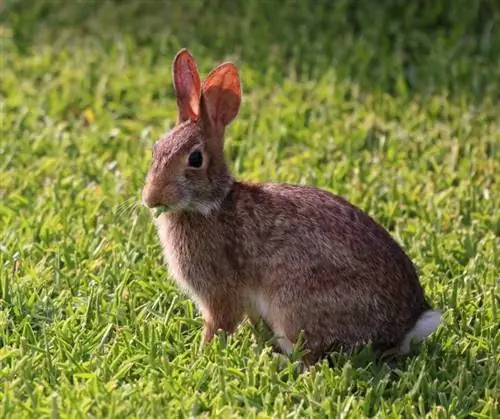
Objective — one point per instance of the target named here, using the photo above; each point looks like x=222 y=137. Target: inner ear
x=221 y=96
x=187 y=85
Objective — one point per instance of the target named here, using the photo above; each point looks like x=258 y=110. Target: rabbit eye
x=195 y=159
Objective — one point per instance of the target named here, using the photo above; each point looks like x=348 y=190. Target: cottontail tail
x=306 y=262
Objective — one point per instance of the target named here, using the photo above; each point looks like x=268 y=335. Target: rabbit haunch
x=306 y=262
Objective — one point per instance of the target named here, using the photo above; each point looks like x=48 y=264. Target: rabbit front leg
x=262 y=332
x=220 y=314
x=210 y=330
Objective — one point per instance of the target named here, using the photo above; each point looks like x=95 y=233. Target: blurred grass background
x=392 y=104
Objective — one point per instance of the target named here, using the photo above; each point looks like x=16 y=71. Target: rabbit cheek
x=168 y=195
x=196 y=186
x=171 y=195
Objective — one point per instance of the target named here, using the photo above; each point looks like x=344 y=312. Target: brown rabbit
x=306 y=262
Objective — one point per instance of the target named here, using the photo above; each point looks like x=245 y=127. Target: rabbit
x=314 y=268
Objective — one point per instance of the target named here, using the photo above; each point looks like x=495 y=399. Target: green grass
x=393 y=106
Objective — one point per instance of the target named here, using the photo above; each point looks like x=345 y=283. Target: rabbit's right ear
x=187 y=85
x=221 y=98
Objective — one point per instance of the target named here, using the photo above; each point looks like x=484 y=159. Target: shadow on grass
x=392 y=46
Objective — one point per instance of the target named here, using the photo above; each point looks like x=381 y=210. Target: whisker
x=121 y=206
x=127 y=207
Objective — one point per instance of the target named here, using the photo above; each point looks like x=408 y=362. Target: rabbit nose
x=151 y=200
x=152 y=204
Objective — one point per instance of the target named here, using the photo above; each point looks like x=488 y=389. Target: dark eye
x=195 y=159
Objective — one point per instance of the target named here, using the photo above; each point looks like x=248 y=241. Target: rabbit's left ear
x=187 y=85
x=221 y=97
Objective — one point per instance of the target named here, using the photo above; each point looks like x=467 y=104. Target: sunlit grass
x=394 y=108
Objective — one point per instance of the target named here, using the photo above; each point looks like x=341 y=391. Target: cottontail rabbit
x=306 y=262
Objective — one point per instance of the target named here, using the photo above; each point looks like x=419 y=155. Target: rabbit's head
x=188 y=170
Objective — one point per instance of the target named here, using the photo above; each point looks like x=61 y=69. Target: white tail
x=426 y=324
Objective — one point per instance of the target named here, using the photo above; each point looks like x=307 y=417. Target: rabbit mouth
x=160 y=210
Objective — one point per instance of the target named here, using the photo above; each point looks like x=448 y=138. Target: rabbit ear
x=187 y=85
x=221 y=96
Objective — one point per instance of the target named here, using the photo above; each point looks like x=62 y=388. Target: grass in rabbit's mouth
x=392 y=107
x=160 y=210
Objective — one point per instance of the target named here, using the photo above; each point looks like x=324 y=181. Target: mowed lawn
x=393 y=105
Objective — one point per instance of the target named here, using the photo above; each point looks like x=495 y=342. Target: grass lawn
x=391 y=105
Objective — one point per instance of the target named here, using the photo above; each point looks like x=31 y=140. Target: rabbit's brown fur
x=299 y=258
